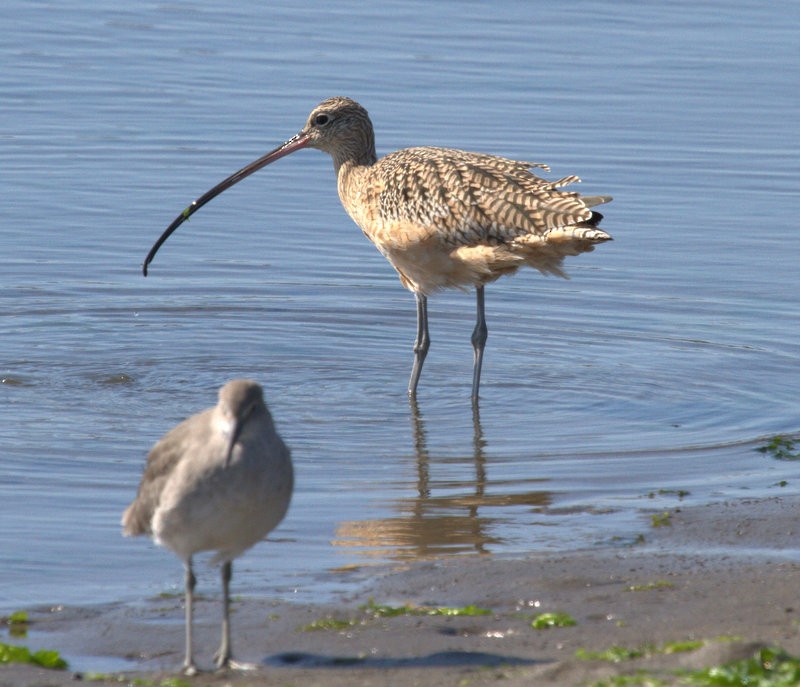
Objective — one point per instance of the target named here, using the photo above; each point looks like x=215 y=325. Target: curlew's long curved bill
x=295 y=143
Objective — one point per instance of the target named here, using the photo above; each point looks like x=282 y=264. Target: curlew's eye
x=321 y=119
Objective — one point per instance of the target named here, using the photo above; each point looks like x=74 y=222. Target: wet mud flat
x=711 y=586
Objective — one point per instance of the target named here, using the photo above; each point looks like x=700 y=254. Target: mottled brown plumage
x=442 y=217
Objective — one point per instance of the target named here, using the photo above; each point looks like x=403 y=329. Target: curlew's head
x=338 y=126
x=342 y=128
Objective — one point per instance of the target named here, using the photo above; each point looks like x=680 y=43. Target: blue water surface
x=669 y=356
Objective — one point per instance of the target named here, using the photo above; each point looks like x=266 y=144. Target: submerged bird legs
x=423 y=342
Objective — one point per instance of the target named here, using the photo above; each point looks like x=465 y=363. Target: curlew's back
x=446 y=217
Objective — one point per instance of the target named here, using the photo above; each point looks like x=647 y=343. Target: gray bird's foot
x=230 y=663
x=242 y=665
x=223 y=660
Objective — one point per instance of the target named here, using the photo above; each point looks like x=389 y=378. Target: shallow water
x=660 y=366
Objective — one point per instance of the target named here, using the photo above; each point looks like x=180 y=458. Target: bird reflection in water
x=464 y=519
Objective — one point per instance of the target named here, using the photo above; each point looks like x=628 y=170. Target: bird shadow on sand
x=440 y=659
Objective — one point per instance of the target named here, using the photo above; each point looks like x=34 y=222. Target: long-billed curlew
x=442 y=217
x=219 y=481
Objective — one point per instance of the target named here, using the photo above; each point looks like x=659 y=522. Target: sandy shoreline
x=721 y=571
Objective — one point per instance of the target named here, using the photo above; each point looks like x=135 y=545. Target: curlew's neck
x=354 y=154
x=352 y=182
x=351 y=163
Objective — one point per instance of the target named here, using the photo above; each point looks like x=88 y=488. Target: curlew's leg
x=421 y=344
x=188 y=663
x=223 y=655
x=479 y=335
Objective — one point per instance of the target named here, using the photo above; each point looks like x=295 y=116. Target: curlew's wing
x=478 y=199
x=162 y=460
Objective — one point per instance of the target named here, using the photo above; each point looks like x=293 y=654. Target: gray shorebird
x=442 y=217
x=219 y=481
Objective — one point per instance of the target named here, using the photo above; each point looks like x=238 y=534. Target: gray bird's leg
x=421 y=344
x=188 y=663
x=479 y=336
x=223 y=655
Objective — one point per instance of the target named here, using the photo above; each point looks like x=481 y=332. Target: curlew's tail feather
x=591 y=201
